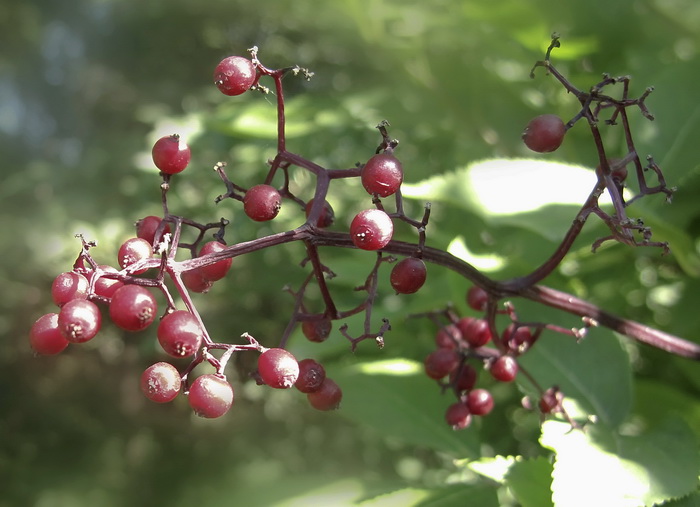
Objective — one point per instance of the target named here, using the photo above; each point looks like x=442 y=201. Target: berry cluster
x=147 y=268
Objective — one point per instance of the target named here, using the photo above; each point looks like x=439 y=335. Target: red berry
x=195 y=281
x=132 y=251
x=408 y=275
x=161 y=382
x=544 y=133
x=79 y=320
x=234 y=75
x=317 y=330
x=448 y=337
x=210 y=396
x=517 y=339
x=463 y=378
x=45 y=337
x=441 y=362
x=218 y=270
x=371 y=229
x=278 y=368
x=382 y=175
x=133 y=308
x=551 y=400
x=171 y=154
x=262 y=202
x=504 y=368
x=311 y=376
x=106 y=287
x=327 y=216
x=458 y=416
x=180 y=334
x=477 y=298
x=328 y=397
x=68 y=286
x=476 y=332
x=480 y=402
x=146 y=228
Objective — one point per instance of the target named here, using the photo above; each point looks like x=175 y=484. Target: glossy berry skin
x=45 y=337
x=278 y=368
x=371 y=229
x=328 y=397
x=441 y=362
x=146 y=228
x=234 y=75
x=218 y=270
x=480 y=402
x=476 y=332
x=317 y=330
x=161 y=382
x=449 y=337
x=519 y=339
x=68 y=286
x=171 y=154
x=458 y=416
x=106 y=287
x=180 y=334
x=463 y=378
x=132 y=251
x=210 y=396
x=262 y=203
x=408 y=275
x=79 y=320
x=195 y=281
x=311 y=376
x=544 y=133
x=133 y=308
x=504 y=368
x=477 y=298
x=327 y=216
x=382 y=175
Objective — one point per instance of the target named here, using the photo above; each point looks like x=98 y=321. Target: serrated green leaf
x=603 y=468
x=396 y=398
x=530 y=482
x=495 y=468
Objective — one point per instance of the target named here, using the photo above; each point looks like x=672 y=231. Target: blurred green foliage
x=87 y=85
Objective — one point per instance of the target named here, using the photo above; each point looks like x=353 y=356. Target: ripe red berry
x=146 y=228
x=161 y=382
x=132 y=251
x=68 y=286
x=106 y=287
x=519 y=339
x=278 y=368
x=45 y=337
x=477 y=298
x=195 y=281
x=458 y=416
x=262 y=202
x=133 y=307
x=79 y=320
x=218 y=270
x=441 y=362
x=544 y=133
x=408 y=275
x=234 y=75
x=476 y=332
x=210 y=396
x=382 y=175
x=317 y=330
x=551 y=400
x=480 y=402
x=180 y=334
x=504 y=368
x=448 y=336
x=311 y=376
x=327 y=216
x=371 y=229
x=463 y=378
x=328 y=397
x=171 y=154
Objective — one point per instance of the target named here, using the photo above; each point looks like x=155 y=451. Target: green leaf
x=602 y=467
x=448 y=496
x=396 y=398
x=530 y=482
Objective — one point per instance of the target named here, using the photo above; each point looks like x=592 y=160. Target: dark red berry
x=544 y=133
x=408 y=275
x=317 y=330
x=517 y=339
x=371 y=229
x=45 y=337
x=146 y=228
x=477 y=298
x=382 y=175
x=218 y=270
x=195 y=281
x=180 y=334
x=463 y=378
x=262 y=203
x=171 y=154
x=504 y=368
x=441 y=362
x=106 y=287
x=132 y=251
x=311 y=376
x=234 y=75
x=458 y=416
x=480 y=402
x=328 y=397
x=210 y=396
x=448 y=336
x=551 y=400
x=476 y=332
x=161 y=382
x=133 y=308
x=68 y=286
x=327 y=216
x=79 y=320
x=278 y=368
